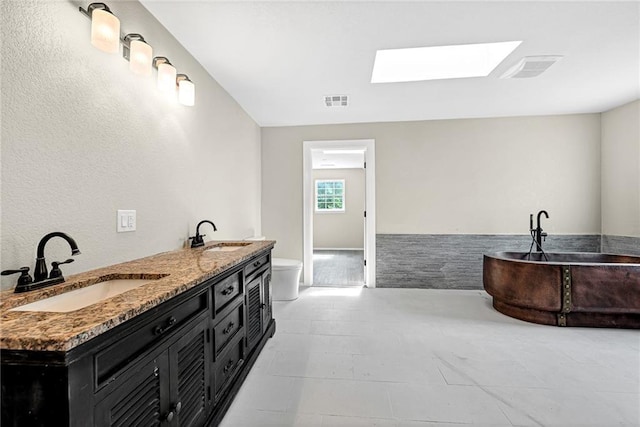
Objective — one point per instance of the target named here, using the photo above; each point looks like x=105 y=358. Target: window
x=329 y=195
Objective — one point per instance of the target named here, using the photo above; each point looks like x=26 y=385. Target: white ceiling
x=278 y=59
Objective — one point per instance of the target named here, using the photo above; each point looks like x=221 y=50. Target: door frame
x=370 y=203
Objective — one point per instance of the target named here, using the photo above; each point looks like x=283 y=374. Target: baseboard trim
x=338 y=249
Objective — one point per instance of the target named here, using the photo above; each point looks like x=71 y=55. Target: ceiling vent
x=530 y=66
x=336 y=100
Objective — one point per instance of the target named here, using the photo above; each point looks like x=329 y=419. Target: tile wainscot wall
x=454 y=261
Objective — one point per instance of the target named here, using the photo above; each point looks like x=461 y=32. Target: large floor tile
x=568 y=407
x=341 y=397
x=312 y=365
x=257 y=418
x=452 y=404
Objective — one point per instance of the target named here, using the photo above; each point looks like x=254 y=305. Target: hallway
x=338 y=268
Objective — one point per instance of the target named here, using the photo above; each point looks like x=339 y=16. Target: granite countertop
x=175 y=271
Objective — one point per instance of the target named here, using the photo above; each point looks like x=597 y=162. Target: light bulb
x=140 y=57
x=105 y=31
x=166 y=77
x=186 y=92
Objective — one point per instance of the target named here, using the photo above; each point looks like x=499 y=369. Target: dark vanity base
x=179 y=364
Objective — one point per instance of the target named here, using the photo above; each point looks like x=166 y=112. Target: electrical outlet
x=126 y=221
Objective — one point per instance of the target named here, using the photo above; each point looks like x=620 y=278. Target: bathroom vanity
x=171 y=352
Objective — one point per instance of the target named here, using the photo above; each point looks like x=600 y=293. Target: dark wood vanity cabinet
x=179 y=364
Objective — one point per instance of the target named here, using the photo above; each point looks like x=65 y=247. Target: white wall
x=82 y=137
x=621 y=171
x=471 y=176
x=342 y=230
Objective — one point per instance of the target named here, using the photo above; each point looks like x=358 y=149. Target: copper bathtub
x=567 y=289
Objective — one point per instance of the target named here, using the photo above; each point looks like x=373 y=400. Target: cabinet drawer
x=227 y=328
x=226 y=290
x=110 y=360
x=228 y=365
x=257 y=264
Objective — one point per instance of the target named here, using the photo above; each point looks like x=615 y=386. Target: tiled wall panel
x=621 y=245
x=454 y=261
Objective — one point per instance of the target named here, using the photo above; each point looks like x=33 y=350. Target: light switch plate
x=126 y=221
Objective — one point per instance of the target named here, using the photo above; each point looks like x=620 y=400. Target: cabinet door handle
x=228 y=291
x=159 y=330
x=229 y=328
x=257 y=264
x=175 y=410
x=228 y=367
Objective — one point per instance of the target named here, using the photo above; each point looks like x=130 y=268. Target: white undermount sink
x=226 y=247
x=84 y=297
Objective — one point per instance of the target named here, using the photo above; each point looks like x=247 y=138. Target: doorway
x=346 y=155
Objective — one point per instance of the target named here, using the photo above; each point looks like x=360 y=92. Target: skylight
x=439 y=62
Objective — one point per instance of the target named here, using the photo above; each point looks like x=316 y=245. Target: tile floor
x=424 y=358
x=338 y=268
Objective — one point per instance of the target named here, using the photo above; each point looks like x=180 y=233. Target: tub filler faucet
x=537 y=234
x=41 y=276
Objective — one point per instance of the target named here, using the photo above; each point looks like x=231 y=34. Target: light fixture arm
x=92 y=7
x=160 y=60
x=181 y=77
x=126 y=44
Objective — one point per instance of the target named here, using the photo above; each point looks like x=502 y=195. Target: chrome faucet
x=197 y=240
x=41 y=277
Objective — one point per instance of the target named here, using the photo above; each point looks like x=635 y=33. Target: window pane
x=329 y=195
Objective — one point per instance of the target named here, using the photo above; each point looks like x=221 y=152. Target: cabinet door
x=189 y=373
x=138 y=398
x=266 y=300
x=254 y=313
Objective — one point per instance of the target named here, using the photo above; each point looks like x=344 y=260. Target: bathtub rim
x=501 y=255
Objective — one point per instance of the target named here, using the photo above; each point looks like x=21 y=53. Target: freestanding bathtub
x=566 y=289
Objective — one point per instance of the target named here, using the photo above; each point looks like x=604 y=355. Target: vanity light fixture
x=186 y=90
x=166 y=74
x=105 y=27
x=139 y=54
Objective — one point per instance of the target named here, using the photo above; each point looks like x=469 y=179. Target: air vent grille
x=531 y=66
x=336 y=100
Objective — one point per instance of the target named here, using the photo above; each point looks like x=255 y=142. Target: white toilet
x=285 y=277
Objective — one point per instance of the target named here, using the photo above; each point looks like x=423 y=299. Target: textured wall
x=621 y=171
x=471 y=176
x=447 y=261
x=82 y=137
x=342 y=230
